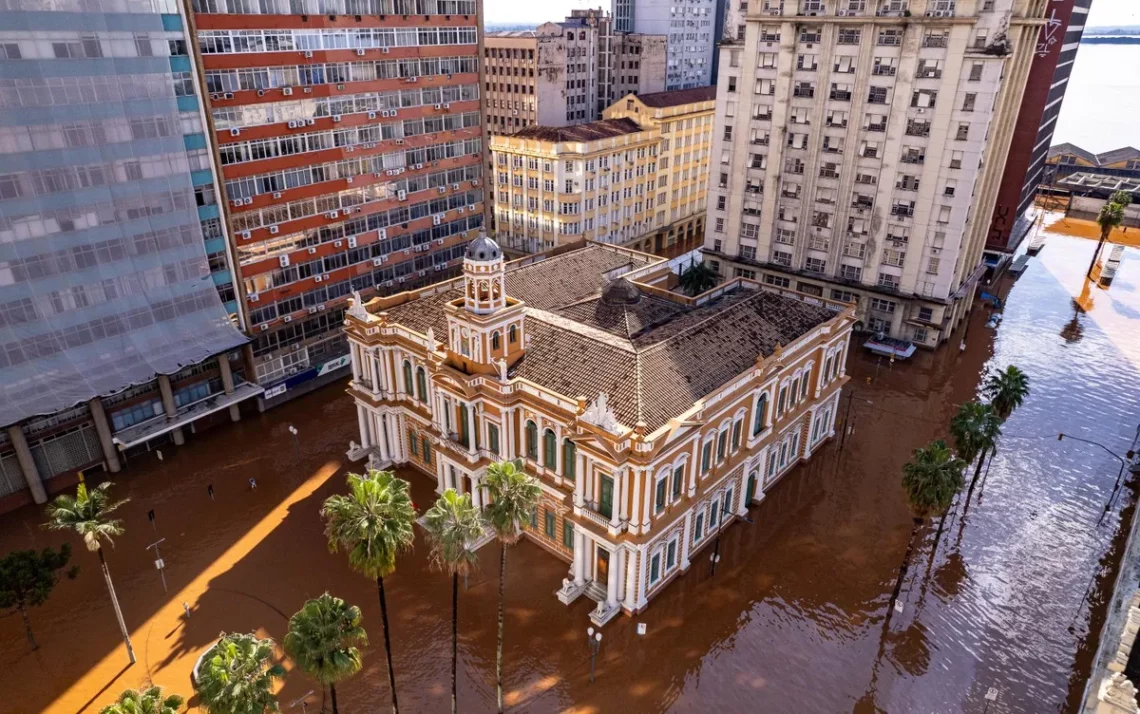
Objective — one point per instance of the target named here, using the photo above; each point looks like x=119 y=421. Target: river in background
x=1102 y=102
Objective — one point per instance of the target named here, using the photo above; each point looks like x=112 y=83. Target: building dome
x=620 y=292
x=483 y=250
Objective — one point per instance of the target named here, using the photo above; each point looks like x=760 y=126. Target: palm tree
x=698 y=278
x=452 y=525
x=976 y=429
x=322 y=639
x=145 y=701
x=513 y=495
x=1007 y=390
x=931 y=478
x=1111 y=215
x=236 y=676
x=88 y=515
x=374 y=524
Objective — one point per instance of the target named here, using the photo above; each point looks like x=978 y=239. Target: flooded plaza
x=790 y=621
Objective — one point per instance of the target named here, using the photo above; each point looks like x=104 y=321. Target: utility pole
x=715 y=557
x=158 y=562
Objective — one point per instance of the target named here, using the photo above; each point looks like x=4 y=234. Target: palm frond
x=453 y=524
x=145 y=701
x=1007 y=390
x=323 y=637
x=373 y=523
x=237 y=677
x=87 y=513
x=513 y=495
x=931 y=478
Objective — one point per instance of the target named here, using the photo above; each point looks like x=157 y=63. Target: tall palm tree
x=976 y=429
x=931 y=478
x=513 y=495
x=322 y=639
x=452 y=525
x=88 y=514
x=1007 y=390
x=145 y=701
x=698 y=278
x=1111 y=215
x=374 y=524
x=237 y=677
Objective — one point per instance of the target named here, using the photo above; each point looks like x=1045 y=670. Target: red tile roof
x=605 y=129
x=678 y=97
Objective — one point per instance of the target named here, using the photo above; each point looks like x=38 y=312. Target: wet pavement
x=789 y=623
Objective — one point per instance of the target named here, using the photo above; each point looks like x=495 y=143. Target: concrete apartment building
x=637 y=177
x=858 y=150
x=648 y=417
x=350 y=141
x=1055 y=51
x=692 y=27
x=116 y=287
x=566 y=73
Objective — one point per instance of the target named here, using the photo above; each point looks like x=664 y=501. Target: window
x=496 y=340
x=655 y=568
x=421 y=385
x=534 y=518
x=661 y=492
x=721 y=446
x=427 y=450
x=698 y=527
x=706 y=456
x=512 y=334
x=569 y=459
x=550 y=524
x=882 y=305
x=737 y=427
x=671 y=555
x=414 y=443
x=493 y=438
x=549 y=449
x=568 y=535
x=408 y=378
x=782 y=401
x=714 y=513
x=968 y=102
x=804 y=387
x=761 y=414
x=678 y=480
x=963 y=132
x=531 y=441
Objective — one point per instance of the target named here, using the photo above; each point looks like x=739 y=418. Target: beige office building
x=858 y=147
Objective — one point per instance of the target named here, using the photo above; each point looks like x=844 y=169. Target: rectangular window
x=655 y=569
x=706 y=457
x=427 y=450
x=678 y=481
x=736 y=428
x=671 y=555
x=549 y=524
x=662 y=490
x=534 y=518
x=493 y=438
x=698 y=527
x=568 y=535
x=721 y=446
x=415 y=444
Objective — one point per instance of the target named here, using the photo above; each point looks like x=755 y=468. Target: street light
x=594 y=640
x=1113 y=454
x=296 y=442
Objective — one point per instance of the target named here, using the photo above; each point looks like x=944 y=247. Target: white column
x=694 y=466
x=647 y=503
x=630 y=600
x=470 y=428
x=363 y=419
x=374 y=364
x=355 y=360
x=559 y=455
x=635 y=512
x=580 y=483
x=686 y=536
x=476 y=494
x=619 y=484
x=440 y=477
x=612 y=580
x=580 y=541
x=742 y=487
x=377 y=424
x=623 y=496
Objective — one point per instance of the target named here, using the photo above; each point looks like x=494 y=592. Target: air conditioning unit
x=422 y=273
x=454 y=187
x=371 y=115
x=317 y=278
x=273 y=230
x=292 y=125
x=245 y=235
x=308 y=55
x=352 y=241
x=388 y=283
x=385 y=113
x=237 y=202
x=336 y=117
x=261 y=92
x=287 y=91
x=474 y=182
x=440 y=267
x=288 y=318
x=228 y=95
x=263 y=326
x=447 y=106
x=394 y=112
x=442 y=189
x=439 y=241
x=283 y=261
x=419 y=166
x=401 y=195
x=439 y=106
x=360 y=53
x=350 y=148
x=249 y=201
x=310 y=122
x=471 y=207
x=461 y=209
x=312 y=251
x=313 y=310
x=340 y=86
x=381 y=234
x=307 y=90
x=277 y=194
x=437 y=219
x=384 y=50
x=320 y=306
x=253 y=297
x=399 y=142
x=332 y=214
x=401 y=279
x=377 y=262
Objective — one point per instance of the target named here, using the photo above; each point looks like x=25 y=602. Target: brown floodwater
x=791 y=620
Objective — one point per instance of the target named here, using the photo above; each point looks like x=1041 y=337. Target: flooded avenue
x=789 y=623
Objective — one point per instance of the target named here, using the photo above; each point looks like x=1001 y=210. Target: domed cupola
x=484 y=276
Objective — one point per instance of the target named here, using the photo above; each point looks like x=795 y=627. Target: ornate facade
x=649 y=418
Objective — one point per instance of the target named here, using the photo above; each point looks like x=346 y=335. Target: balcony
x=918 y=129
x=599 y=513
x=806 y=92
x=883 y=70
x=840 y=95
x=902 y=211
x=877 y=127
x=913 y=158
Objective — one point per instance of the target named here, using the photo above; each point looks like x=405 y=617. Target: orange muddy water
x=789 y=623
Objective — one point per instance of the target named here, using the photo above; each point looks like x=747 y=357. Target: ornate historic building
x=650 y=418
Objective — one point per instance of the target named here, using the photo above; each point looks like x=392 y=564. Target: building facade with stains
x=859 y=147
x=349 y=136
x=648 y=417
x=637 y=178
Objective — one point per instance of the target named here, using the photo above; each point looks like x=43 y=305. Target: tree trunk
x=916 y=523
x=332 y=695
x=974 y=480
x=454 y=638
x=28 y=629
x=499 y=649
x=115 y=604
x=1104 y=233
x=387 y=644
x=937 y=537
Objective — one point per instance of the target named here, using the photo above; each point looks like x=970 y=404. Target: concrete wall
x=1088 y=207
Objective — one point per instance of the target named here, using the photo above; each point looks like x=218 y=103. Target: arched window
x=549 y=449
x=421 y=384
x=761 y=414
x=512 y=334
x=408 y=378
x=804 y=386
x=532 y=441
x=569 y=459
x=496 y=341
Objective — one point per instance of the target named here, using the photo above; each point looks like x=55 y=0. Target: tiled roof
x=1121 y=154
x=1067 y=148
x=604 y=129
x=1102 y=159
x=678 y=97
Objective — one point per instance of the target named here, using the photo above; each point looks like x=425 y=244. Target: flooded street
x=789 y=623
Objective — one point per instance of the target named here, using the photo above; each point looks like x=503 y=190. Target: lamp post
x=296 y=442
x=1130 y=454
x=594 y=640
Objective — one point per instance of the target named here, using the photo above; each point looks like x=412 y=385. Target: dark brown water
x=791 y=620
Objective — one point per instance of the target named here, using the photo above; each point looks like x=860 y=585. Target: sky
x=530 y=12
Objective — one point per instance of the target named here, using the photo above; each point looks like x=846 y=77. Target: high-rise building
x=566 y=73
x=1054 y=53
x=858 y=150
x=116 y=287
x=692 y=27
x=649 y=417
x=637 y=178
x=350 y=139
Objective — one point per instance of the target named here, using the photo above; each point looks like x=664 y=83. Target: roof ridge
x=714 y=316
x=640 y=396
x=588 y=331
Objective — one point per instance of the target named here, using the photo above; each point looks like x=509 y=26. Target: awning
x=188 y=414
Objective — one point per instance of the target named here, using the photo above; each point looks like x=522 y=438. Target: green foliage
x=976 y=429
x=236 y=676
x=452 y=525
x=931 y=478
x=699 y=278
x=87 y=513
x=145 y=701
x=1006 y=390
x=513 y=496
x=1121 y=198
x=27 y=577
x=373 y=522
x=322 y=639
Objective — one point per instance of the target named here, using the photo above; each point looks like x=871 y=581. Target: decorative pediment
x=601 y=415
